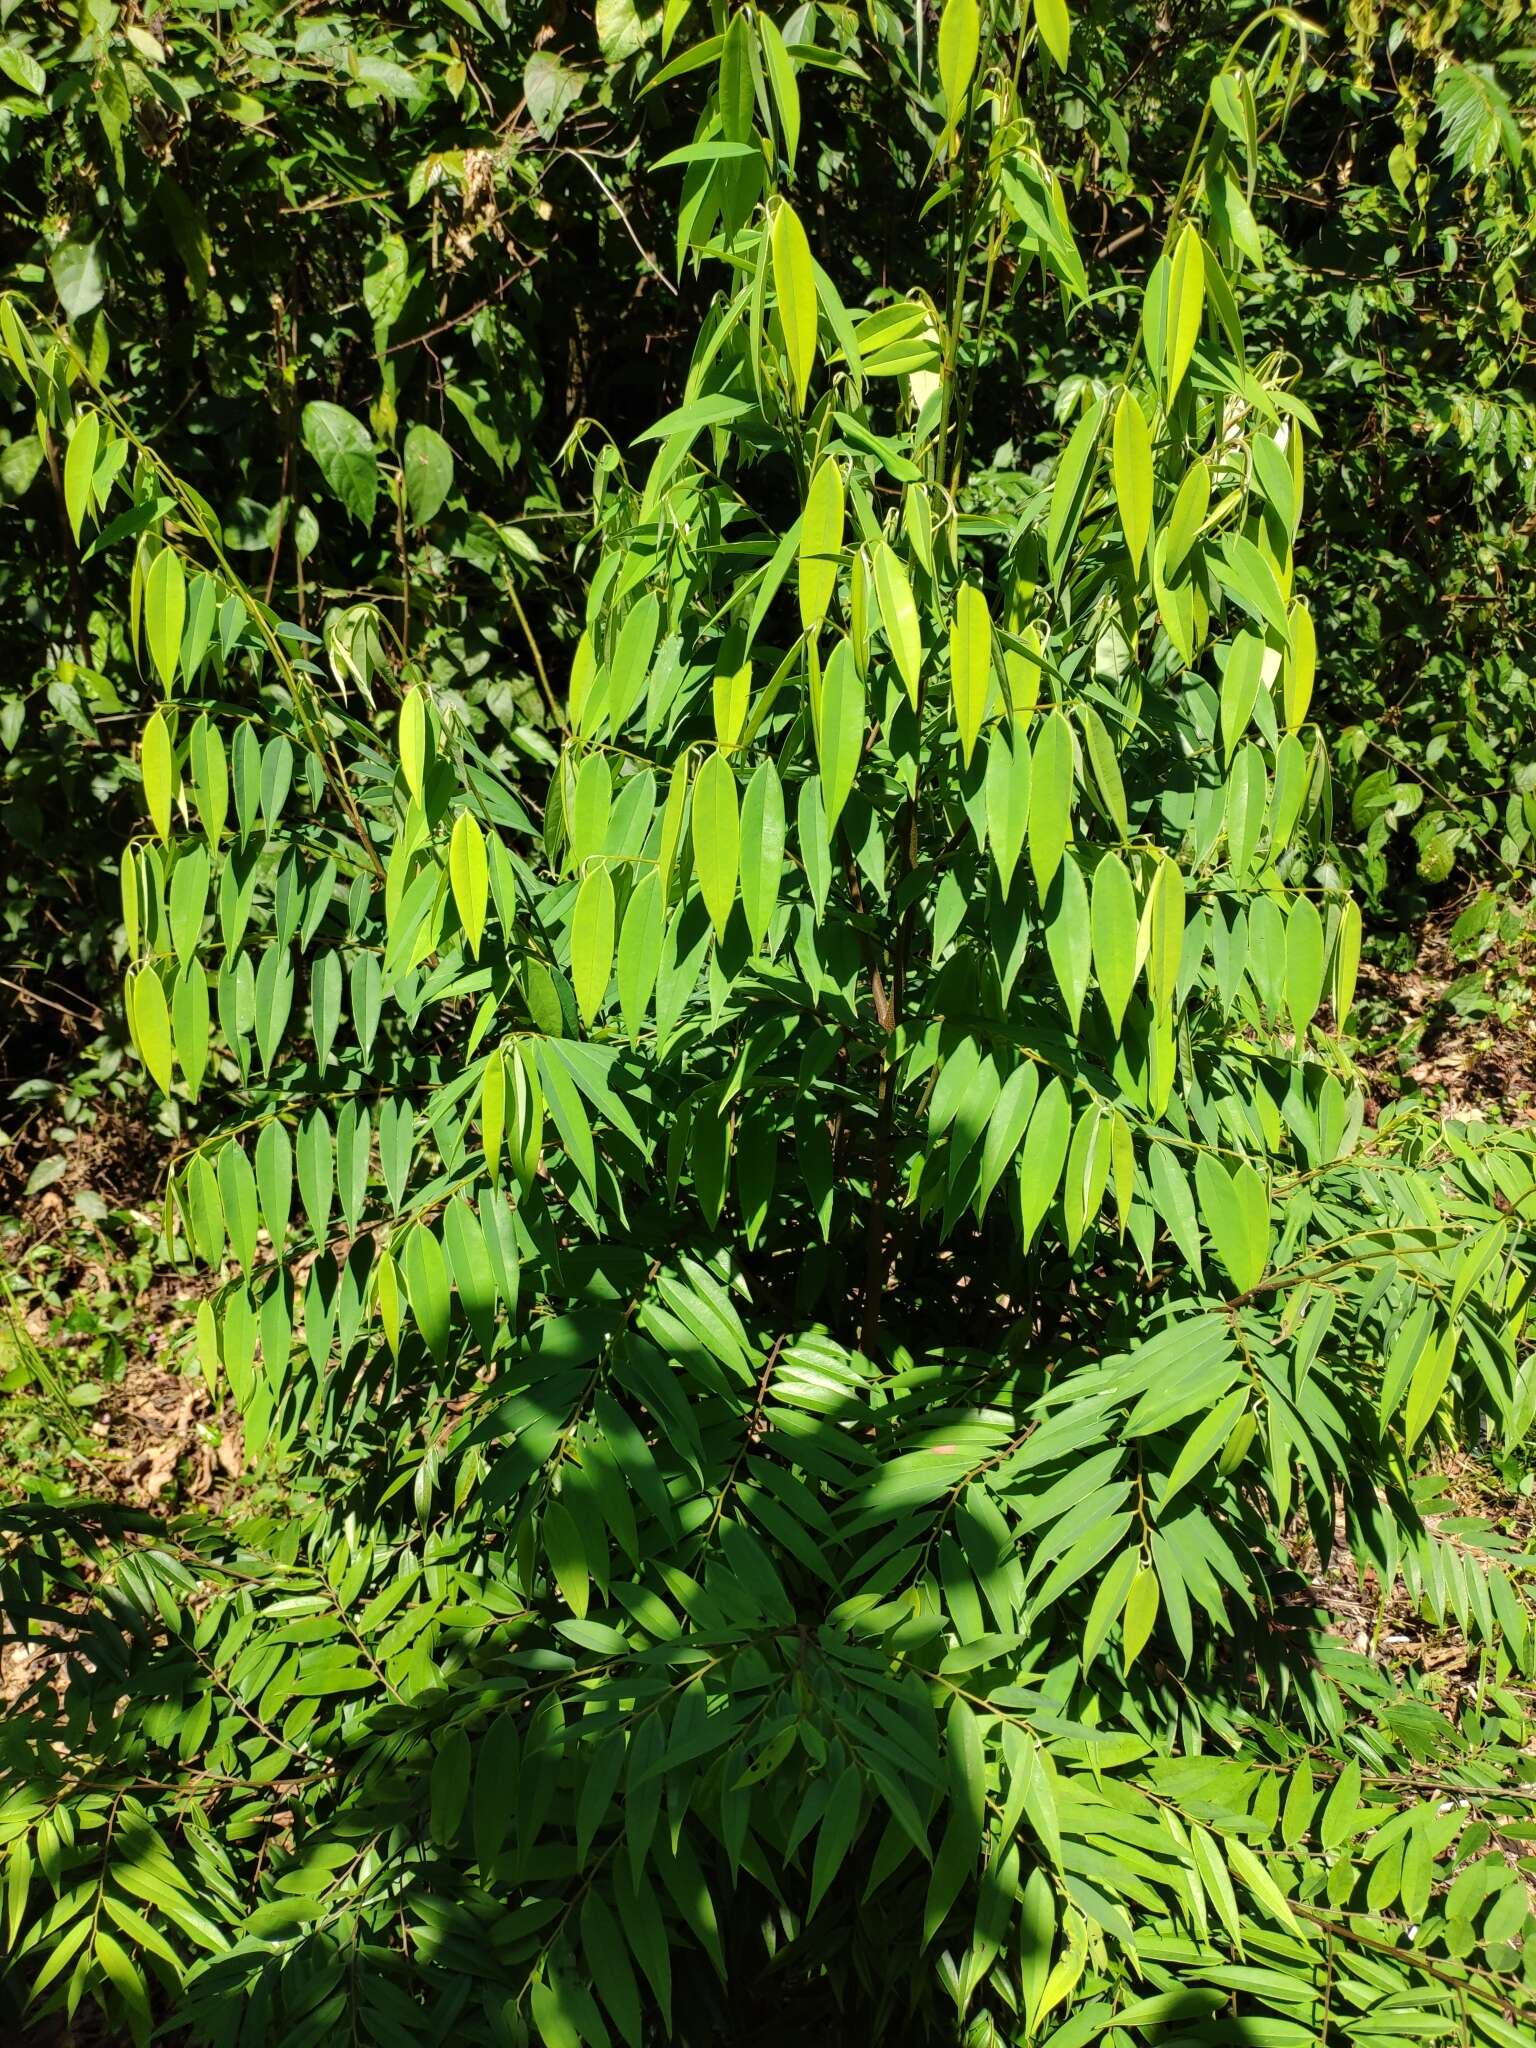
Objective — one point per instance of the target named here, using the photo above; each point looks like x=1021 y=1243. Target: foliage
x=437 y=227
x=798 y=1285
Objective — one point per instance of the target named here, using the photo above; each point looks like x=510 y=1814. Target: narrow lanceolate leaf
x=469 y=876
x=970 y=664
x=1235 y=1211
x=1133 y=476
x=1303 y=964
x=1114 y=935
x=839 y=731
x=794 y=287
x=1346 y=963
x=1165 y=923
x=640 y=951
x=79 y=468
x=426 y=1287
x=959 y=45
x=716 y=838
x=152 y=1027
x=592 y=942
x=493 y=1112
x=898 y=615
x=821 y=541
x=762 y=849
x=157 y=767
x=1186 y=304
x=1055 y=26
x=1008 y=779
x=165 y=612
x=1050 y=798
x=412 y=739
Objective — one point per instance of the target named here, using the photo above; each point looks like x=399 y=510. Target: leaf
x=640 y=944
x=152 y=1027
x=426 y=463
x=165 y=612
x=1141 y=1609
x=426 y=1288
x=716 y=838
x=78 y=278
x=898 y=615
x=1055 y=26
x=343 y=449
x=157 y=768
x=449 y=1787
x=1068 y=937
x=1186 y=304
x=1303 y=964
x=1115 y=925
x=469 y=877
x=592 y=926
x=821 y=541
x=1008 y=780
x=839 y=731
x=1235 y=1211
x=1045 y=1153
x=567 y=1557
x=411 y=739
x=839 y=1825
x=1202 y=1444
x=1050 y=798
x=1132 y=450
x=80 y=468
x=970 y=664
x=1069 y=491
x=762 y=848
x=959 y=46
x=794 y=288
x=1346 y=963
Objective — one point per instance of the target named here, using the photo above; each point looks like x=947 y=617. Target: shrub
x=796 y=1289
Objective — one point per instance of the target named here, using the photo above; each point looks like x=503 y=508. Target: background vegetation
x=511 y=1536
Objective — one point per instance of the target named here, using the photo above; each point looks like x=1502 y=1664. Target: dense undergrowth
x=799 y=1258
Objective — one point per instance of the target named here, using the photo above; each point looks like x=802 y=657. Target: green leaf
x=1050 y=798
x=1008 y=780
x=1202 y=1444
x=1115 y=925
x=1045 y=1153
x=640 y=944
x=1069 y=492
x=821 y=542
x=592 y=928
x=449 y=1789
x=1303 y=964
x=426 y=1288
x=469 y=877
x=762 y=848
x=716 y=838
x=898 y=615
x=343 y=449
x=1133 y=474
x=152 y=1026
x=1055 y=26
x=157 y=766
x=959 y=45
x=794 y=288
x=1234 y=1207
x=970 y=664
x=426 y=463
x=839 y=1825
x=839 y=731
x=165 y=612
x=80 y=468
x=1186 y=304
